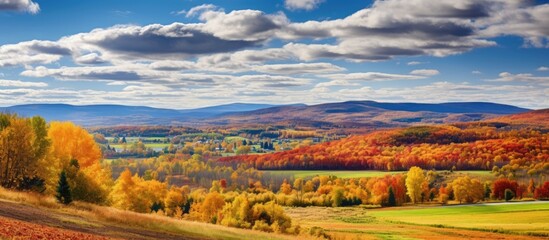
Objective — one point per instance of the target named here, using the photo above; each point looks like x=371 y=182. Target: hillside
x=535 y=118
x=475 y=146
x=33 y=217
x=371 y=114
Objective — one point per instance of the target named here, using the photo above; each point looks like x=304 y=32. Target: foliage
x=415 y=178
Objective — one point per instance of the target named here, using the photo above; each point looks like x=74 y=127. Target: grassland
x=508 y=221
x=521 y=218
x=367 y=173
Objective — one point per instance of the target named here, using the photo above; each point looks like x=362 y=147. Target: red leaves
x=23 y=230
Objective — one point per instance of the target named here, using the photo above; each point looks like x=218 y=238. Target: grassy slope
x=110 y=222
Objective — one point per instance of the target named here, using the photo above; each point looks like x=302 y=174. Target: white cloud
x=302 y=4
x=476 y=72
x=17 y=83
x=372 y=76
x=20 y=5
x=521 y=77
x=299 y=68
x=425 y=72
x=543 y=68
x=195 y=11
x=414 y=63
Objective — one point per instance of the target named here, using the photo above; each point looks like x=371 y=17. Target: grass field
x=523 y=218
x=455 y=222
x=365 y=173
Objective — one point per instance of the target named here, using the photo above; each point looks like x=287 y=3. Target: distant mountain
x=99 y=115
x=370 y=113
x=342 y=114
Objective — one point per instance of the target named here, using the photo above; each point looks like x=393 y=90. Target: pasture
x=491 y=221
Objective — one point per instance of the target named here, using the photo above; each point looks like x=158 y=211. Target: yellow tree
x=71 y=143
x=123 y=191
x=414 y=181
x=16 y=151
x=468 y=190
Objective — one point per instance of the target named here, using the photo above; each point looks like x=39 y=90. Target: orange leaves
x=13 y=229
x=441 y=147
x=73 y=142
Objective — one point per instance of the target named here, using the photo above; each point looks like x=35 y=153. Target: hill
x=532 y=118
x=370 y=114
x=471 y=146
x=103 y=115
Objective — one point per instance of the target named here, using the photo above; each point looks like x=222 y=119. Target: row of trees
x=476 y=148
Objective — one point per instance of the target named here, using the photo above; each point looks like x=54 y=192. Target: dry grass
x=30 y=198
x=90 y=215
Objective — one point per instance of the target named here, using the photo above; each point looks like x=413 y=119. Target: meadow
x=525 y=220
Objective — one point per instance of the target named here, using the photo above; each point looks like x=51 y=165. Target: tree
x=414 y=181
x=23 y=145
x=92 y=181
x=468 y=190
x=509 y=194
x=392 y=201
x=63 y=190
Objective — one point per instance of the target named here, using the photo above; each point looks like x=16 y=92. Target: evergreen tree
x=63 y=189
x=509 y=194
x=392 y=200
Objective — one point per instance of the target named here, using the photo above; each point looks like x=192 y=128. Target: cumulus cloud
x=543 y=68
x=20 y=5
x=302 y=4
x=299 y=68
x=17 y=83
x=32 y=52
x=425 y=72
x=198 y=9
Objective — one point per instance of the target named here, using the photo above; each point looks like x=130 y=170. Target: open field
x=460 y=222
x=24 y=211
x=366 y=173
x=520 y=217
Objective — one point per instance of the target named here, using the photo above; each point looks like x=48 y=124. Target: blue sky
x=185 y=54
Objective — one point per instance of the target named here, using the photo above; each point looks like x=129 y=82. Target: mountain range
x=353 y=113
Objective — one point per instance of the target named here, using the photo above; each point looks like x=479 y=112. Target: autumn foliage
x=443 y=148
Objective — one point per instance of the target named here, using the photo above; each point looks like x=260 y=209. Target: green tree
x=509 y=194
x=392 y=200
x=63 y=189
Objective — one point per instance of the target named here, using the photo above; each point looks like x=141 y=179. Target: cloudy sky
x=192 y=53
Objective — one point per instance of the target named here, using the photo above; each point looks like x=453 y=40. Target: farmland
x=509 y=221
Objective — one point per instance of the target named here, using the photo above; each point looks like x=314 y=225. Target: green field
x=364 y=173
x=521 y=217
x=526 y=220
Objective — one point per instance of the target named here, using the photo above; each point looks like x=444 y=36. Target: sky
x=192 y=53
